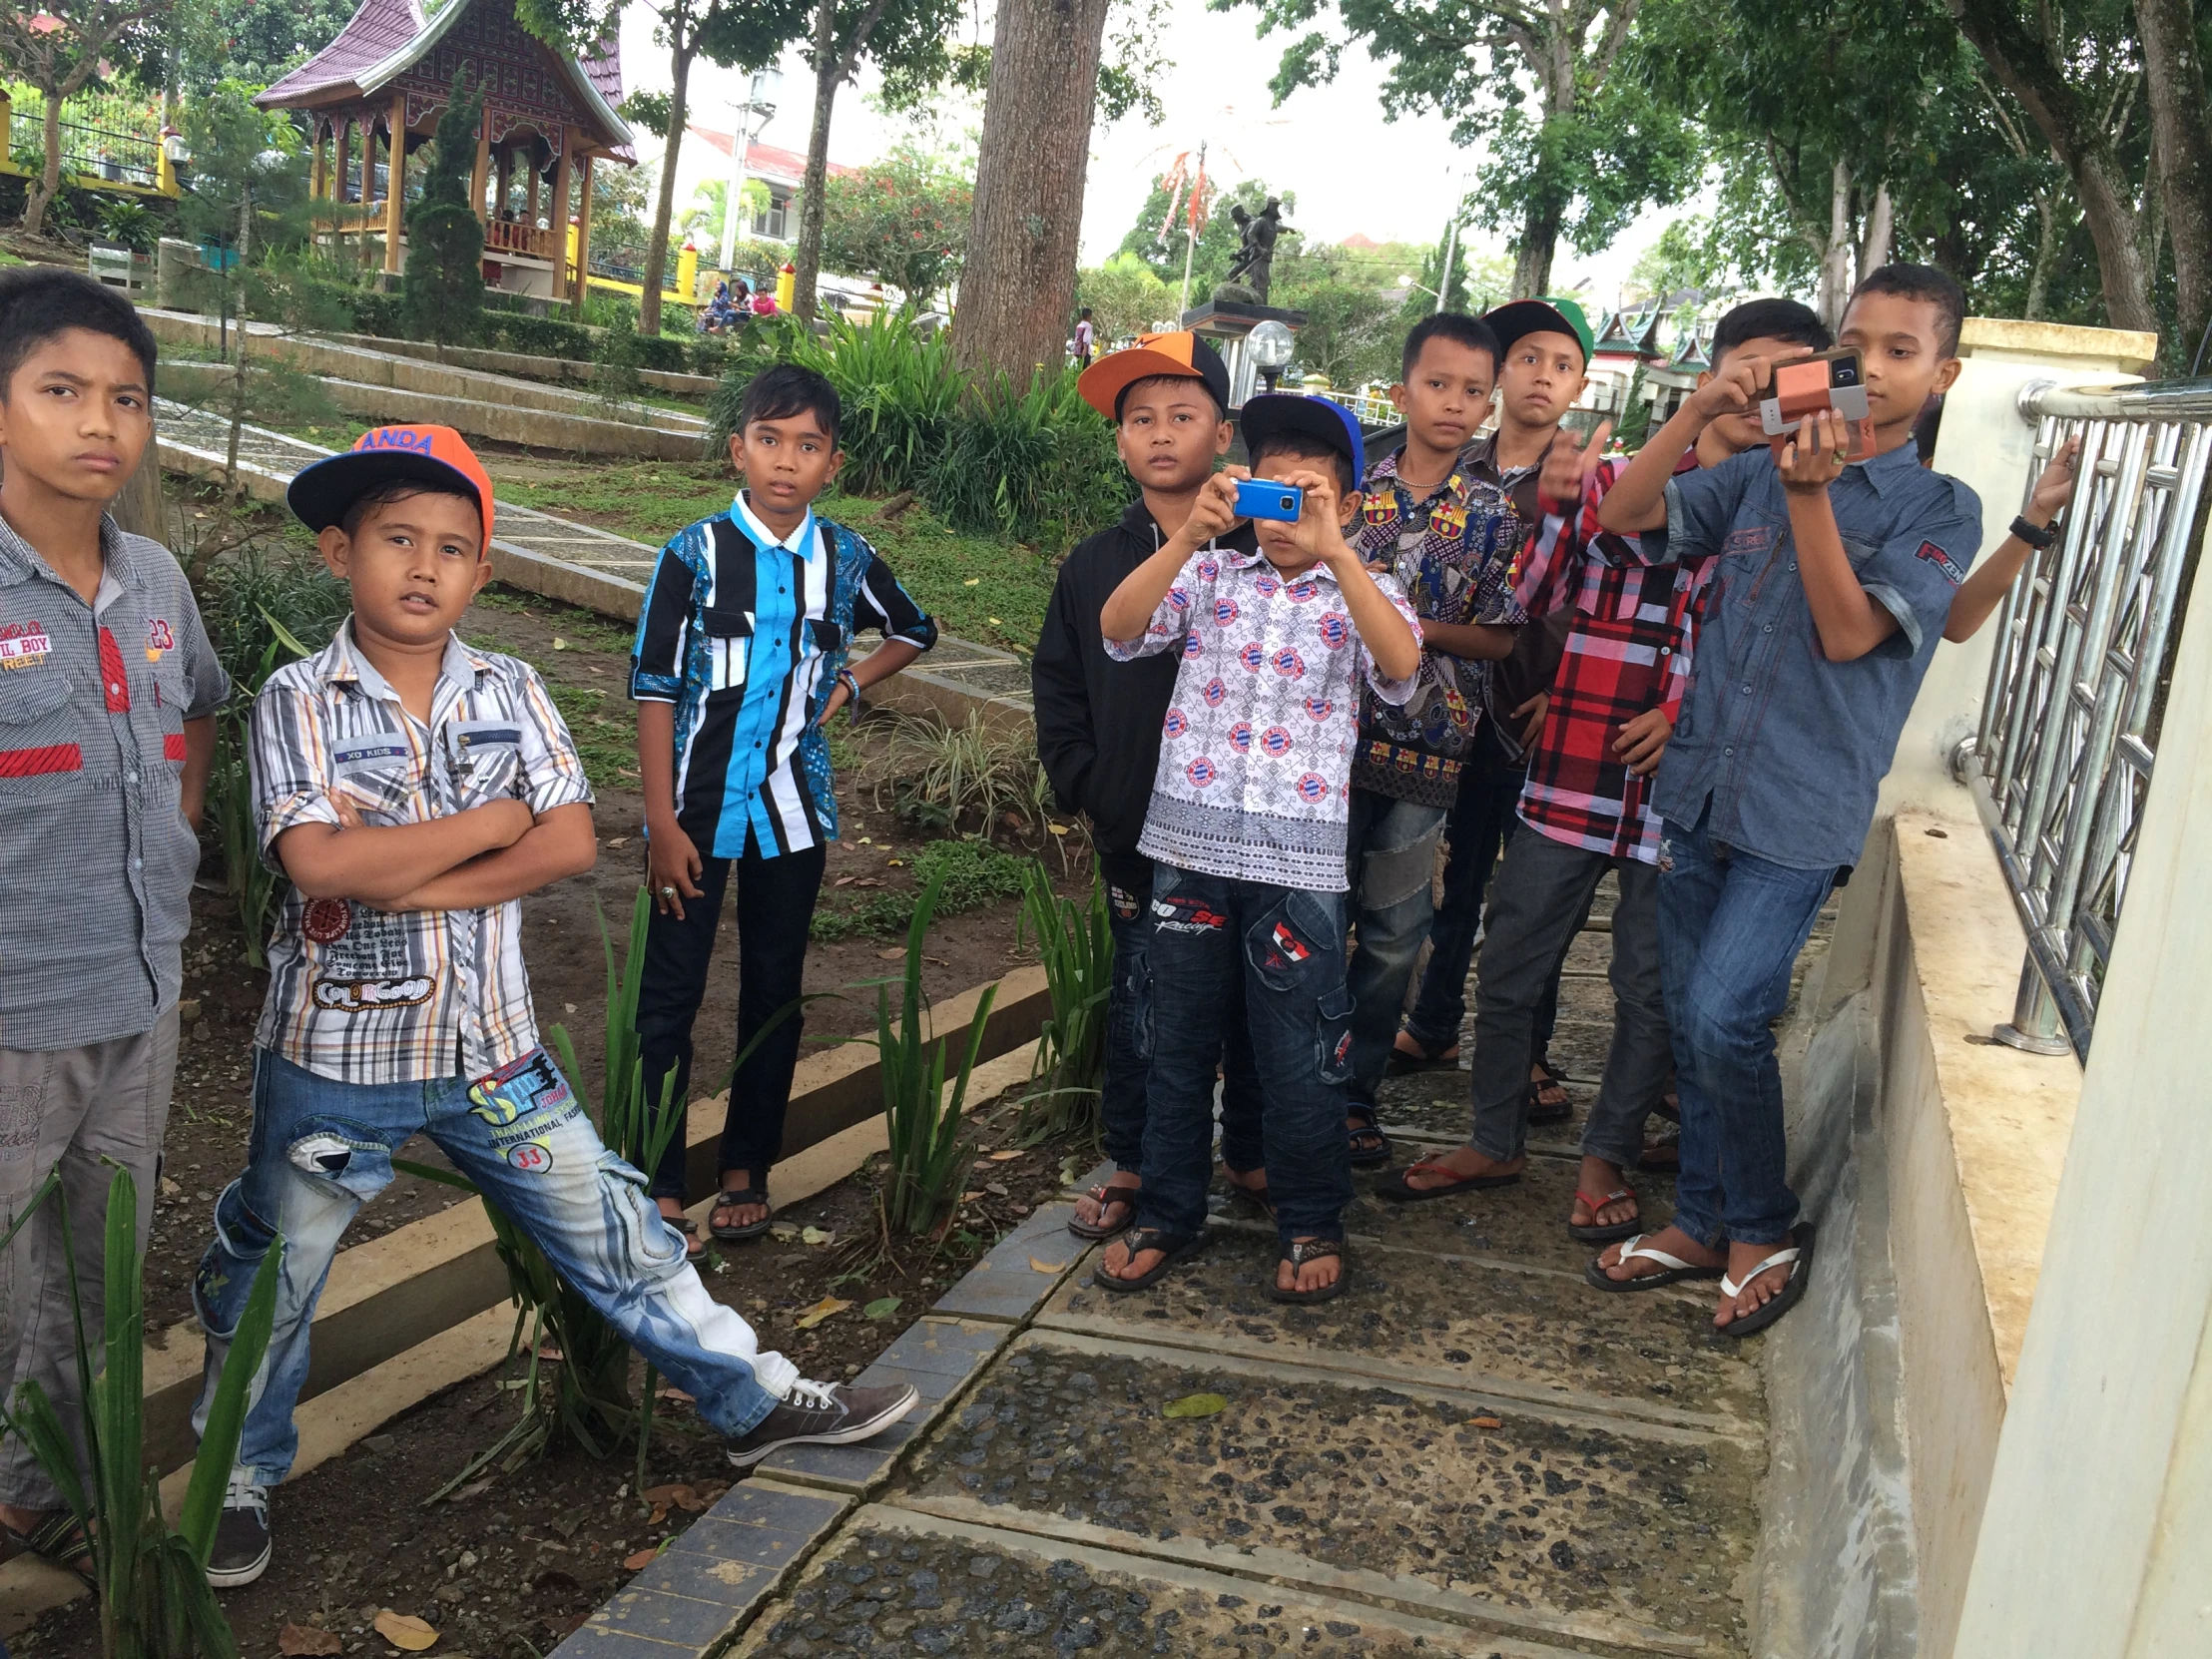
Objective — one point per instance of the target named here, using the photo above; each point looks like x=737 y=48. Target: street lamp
x=1271 y=344
x=760 y=100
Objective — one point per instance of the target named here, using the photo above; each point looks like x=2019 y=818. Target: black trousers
x=776 y=901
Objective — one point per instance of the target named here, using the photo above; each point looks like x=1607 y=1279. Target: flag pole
x=1190 y=238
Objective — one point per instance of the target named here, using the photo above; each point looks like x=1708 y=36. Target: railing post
x=2034 y=1027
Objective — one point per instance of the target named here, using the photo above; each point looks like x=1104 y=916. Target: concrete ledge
x=572 y=584
x=527 y=366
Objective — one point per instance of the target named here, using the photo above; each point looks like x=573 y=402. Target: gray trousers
x=1542 y=889
x=75 y=1109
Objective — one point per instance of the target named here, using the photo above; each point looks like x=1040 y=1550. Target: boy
x=1449 y=536
x=739 y=663
x=1547 y=351
x=1586 y=809
x=1086 y=338
x=414 y=789
x=1832 y=584
x=1098 y=733
x=1247 y=830
x=108 y=693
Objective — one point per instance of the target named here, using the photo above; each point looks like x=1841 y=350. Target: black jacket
x=1098 y=721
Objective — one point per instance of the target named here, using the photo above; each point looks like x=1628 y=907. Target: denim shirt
x=1787 y=747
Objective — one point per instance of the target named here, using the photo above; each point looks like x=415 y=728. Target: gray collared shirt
x=1788 y=748
x=96 y=878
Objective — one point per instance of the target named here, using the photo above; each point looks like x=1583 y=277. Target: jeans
x=321 y=1148
x=776 y=903
x=1730 y=926
x=1121 y=1095
x=1542 y=895
x=1391 y=855
x=1287 y=948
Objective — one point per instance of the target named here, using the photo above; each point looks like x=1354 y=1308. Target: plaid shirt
x=1452 y=551
x=1628 y=651
x=377 y=997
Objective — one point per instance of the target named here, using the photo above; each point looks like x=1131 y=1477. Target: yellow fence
x=130 y=163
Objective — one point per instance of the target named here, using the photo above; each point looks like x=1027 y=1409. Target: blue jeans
x=1390 y=858
x=1121 y=1094
x=321 y=1148
x=1286 y=947
x=1730 y=926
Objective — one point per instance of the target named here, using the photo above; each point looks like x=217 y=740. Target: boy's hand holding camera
x=1815 y=458
x=1128 y=609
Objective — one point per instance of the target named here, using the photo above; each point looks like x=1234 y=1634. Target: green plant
x=617 y=356
x=928 y=1160
x=129 y=223
x=945 y=778
x=1075 y=944
x=152 y=1583
x=1030 y=464
x=972 y=874
x=446 y=244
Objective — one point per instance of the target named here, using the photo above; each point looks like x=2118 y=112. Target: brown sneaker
x=823 y=1413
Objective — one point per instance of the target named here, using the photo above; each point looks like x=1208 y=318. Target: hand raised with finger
x=1569 y=464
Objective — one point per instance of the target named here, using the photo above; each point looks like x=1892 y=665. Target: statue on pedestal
x=1255 y=251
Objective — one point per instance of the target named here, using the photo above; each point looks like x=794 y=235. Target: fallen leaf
x=820 y=1310
x=892 y=954
x=559 y=643
x=1058 y=829
x=782 y=1230
x=679 y=1396
x=994 y=622
x=881 y=1307
x=1047 y=1267
x=843 y=881
x=549 y=1352
x=403 y=1630
x=1485 y=1423
x=972 y=581
x=866 y=881
x=639 y=1561
x=893 y=863
x=619 y=841
x=475 y=1488
x=1195 y=1405
x=814 y=1236
x=679 y=1493
x=296 y=1641
x=1003 y=1157
x=970 y=1198
x=866 y=840
x=998 y=1187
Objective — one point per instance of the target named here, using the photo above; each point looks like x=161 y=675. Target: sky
x=1353 y=170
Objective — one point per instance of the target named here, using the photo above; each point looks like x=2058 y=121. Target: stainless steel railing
x=2069 y=724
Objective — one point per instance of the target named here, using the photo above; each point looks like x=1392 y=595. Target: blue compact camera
x=1259 y=498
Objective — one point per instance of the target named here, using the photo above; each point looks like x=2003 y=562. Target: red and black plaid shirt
x=1628 y=651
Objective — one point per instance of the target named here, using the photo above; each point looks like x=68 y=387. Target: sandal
x=1141 y=1239
x=1677 y=1269
x=1108 y=1195
x=1662 y=1155
x=1405 y=1062
x=1301 y=1250
x=731 y=1198
x=1540 y=1109
x=1253 y=1197
x=1369 y=1146
x=1596 y=1230
x=60 y=1541
x=1798 y=1257
x=1398 y=1189
x=695 y=1247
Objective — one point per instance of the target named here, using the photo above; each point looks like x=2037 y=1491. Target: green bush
x=446 y=244
x=1038 y=464
x=617 y=352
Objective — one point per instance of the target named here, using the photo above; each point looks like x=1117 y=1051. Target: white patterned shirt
x=1256 y=750
x=366 y=995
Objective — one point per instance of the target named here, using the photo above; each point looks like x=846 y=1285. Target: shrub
x=948 y=780
x=446 y=244
x=1033 y=464
x=616 y=353
x=928 y=1161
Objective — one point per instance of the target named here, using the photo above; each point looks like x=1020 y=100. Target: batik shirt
x=745 y=632
x=1256 y=750
x=1451 y=552
x=1628 y=651
x=365 y=995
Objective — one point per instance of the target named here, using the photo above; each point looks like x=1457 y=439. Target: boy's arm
x=1067 y=740
x=210 y=688
x=1984 y=590
x=656 y=682
x=1386 y=628
x=199 y=764
x=1126 y=617
x=1638 y=498
x=380 y=863
x=906 y=629
x=1849 y=620
x=557 y=846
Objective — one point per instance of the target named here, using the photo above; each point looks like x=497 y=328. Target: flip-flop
x=1402 y=1064
x=1252 y=1198
x=1397 y=1190
x=1140 y=1240
x=1301 y=1250
x=1676 y=1269
x=1604 y=1231
x=1107 y=1196
x=1377 y=1150
x=1798 y=1257
x=1539 y=1112
x=695 y=1247
x=731 y=1198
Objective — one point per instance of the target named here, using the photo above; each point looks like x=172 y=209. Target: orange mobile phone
x=1803 y=387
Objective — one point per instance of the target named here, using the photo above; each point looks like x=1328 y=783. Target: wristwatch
x=2031 y=535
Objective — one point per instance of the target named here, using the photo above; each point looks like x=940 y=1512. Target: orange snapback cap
x=1182 y=356
x=319 y=495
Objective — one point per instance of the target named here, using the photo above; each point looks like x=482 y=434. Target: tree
x=904 y=219
x=445 y=241
x=1681 y=259
x=1578 y=153
x=2181 y=126
x=1353 y=328
x=1126 y=296
x=1019 y=290
x=253 y=42
x=56 y=46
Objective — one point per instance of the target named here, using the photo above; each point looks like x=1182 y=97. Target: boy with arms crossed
x=108 y=693
x=1834 y=582
x=1247 y=828
x=414 y=789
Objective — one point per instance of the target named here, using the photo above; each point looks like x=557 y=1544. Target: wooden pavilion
x=373 y=96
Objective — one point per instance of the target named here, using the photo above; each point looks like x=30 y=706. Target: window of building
x=772 y=223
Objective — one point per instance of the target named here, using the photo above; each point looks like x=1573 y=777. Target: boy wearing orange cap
x=413 y=789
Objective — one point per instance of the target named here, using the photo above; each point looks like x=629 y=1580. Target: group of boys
x=1486 y=638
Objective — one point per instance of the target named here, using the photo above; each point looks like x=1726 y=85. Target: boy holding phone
x=1834 y=582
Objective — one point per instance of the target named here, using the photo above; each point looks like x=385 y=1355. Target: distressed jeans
x=1286 y=946
x=321 y=1148
x=1730 y=926
x=1121 y=1095
x=1390 y=858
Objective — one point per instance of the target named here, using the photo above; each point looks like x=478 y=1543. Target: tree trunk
x=1835 y=282
x=2181 y=127
x=1532 y=251
x=664 y=206
x=816 y=184
x=2046 y=245
x=48 y=184
x=1017 y=289
x=1879 y=235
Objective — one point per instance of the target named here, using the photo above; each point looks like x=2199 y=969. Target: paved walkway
x=1470 y=1452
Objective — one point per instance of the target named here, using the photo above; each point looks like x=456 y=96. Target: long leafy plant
x=1075 y=944
x=928 y=1160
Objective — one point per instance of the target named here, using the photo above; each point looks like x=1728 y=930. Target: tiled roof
x=764 y=161
x=372 y=34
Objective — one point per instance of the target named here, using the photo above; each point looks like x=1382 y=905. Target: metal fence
x=2069 y=724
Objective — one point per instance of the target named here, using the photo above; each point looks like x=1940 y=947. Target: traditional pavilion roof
x=390 y=41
